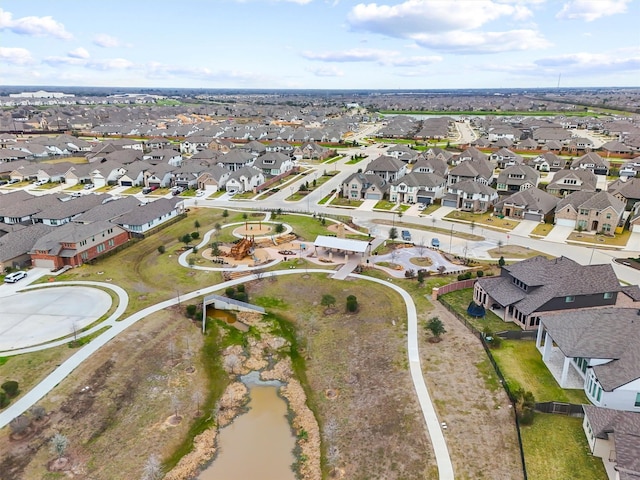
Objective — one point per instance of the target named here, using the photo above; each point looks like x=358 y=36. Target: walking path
x=443 y=460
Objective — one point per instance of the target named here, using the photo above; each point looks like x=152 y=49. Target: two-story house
x=566 y=182
x=626 y=191
x=470 y=196
x=592 y=161
x=273 y=163
x=598 y=212
x=480 y=171
x=417 y=188
x=504 y=158
x=244 y=179
x=530 y=204
x=364 y=186
x=388 y=168
x=528 y=288
x=517 y=178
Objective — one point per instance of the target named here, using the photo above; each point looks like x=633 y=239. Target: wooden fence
x=570 y=409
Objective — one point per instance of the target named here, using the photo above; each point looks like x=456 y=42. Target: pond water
x=258 y=444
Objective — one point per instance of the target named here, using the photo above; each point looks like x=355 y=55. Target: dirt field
x=360 y=390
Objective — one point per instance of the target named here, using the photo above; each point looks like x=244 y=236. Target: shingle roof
x=144 y=213
x=624 y=429
x=532 y=199
x=20 y=241
x=548 y=279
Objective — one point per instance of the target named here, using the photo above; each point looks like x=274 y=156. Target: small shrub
x=19 y=424
x=230 y=292
x=240 y=288
x=195 y=235
x=352 y=304
x=480 y=273
x=10 y=387
x=410 y=273
x=161 y=249
x=191 y=310
x=4 y=400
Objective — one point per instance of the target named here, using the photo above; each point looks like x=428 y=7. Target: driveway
x=558 y=234
x=39 y=316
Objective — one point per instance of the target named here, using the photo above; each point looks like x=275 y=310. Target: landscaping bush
x=230 y=292
x=161 y=249
x=410 y=273
x=352 y=304
x=10 y=387
x=4 y=400
x=480 y=273
x=191 y=310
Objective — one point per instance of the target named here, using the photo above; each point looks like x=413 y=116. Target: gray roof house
x=504 y=158
x=388 y=168
x=364 y=186
x=626 y=191
x=65 y=210
x=530 y=204
x=480 y=171
x=244 y=179
x=434 y=164
x=614 y=436
x=598 y=212
x=470 y=196
x=592 y=161
x=598 y=350
x=526 y=289
x=517 y=178
x=568 y=181
x=149 y=215
x=15 y=245
x=417 y=188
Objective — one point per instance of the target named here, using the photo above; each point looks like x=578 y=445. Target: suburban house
x=504 y=158
x=149 y=215
x=630 y=169
x=402 y=152
x=417 y=188
x=595 y=349
x=470 y=196
x=364 y=186
x=480 y=171
x=592 y=161
x=66 y=209
x=273 y=163
x=598 y=212
x=517 y=178
x=613 y=436
x=236 y=159
x=530 y=204
x=244 y=180
x=626 y=191
x=434 y=164
x=566 y=182
x=547 y=162
x=163 y=156
x=74 y=244
x=213 y=178
x=20 y=206
x=16 y=244
x=388 y=168
x=159 y=176
x=524 y=290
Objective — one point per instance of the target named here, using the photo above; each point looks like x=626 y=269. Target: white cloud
x=595 y=62
x=326 y=71
x=382 y=57
x=483 y=42
x=156 y=70
x=106 y=41
x=353 y=55
x=420 y=16
x=590 y=10
x=36 y=26
x=79 y=53
x=15 y=56
x=437 y=25
x=110 y=64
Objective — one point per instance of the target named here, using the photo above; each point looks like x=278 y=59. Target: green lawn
x=461 y=299
x=619 y=240
x=484 y=219
x=542 y=230
x=385 y=205
x=356 y=159
x=346 y=202
x=522 y=366
x=556 y=448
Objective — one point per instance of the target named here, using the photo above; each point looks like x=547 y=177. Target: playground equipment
x=243 y=248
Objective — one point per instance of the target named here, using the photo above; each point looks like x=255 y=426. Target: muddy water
x=258 y=444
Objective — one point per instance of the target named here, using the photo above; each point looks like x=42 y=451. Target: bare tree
x=175 y=406
x=500 y=243
x=421 y=246
x=394 y=256
x=59 y=444
x=19 y=424
x=433 y=222
x=37 y=412
x=231 y=363
x=171 y=347
x=152 y=469
x=74 y=330
x=198 y=398
x=472 y=225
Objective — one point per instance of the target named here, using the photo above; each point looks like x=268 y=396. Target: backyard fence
x=569 y=409
x=485 y=345
x=452 y=287
x=518 y=334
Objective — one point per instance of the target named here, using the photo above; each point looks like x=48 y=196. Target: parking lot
x=38 y=316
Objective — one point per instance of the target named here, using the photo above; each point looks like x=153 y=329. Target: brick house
x=590 y=212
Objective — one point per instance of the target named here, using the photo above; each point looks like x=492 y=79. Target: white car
x=15 y=276
x=88 y=186
x=39 y=183
x=199 y=193
x=421 y=206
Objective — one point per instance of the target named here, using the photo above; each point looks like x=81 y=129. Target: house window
x=608 y=295
x=637 y=404
x=584 y=211
x=100 y=248
x=111 y=243
x=84 y=256
x=608 y=216
x=569 y=299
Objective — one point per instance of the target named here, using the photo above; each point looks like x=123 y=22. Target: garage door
x=449 y=203
x=565 y=222
x=45 y=263
x=126 y=183
x=373 y=196
x=533 y=216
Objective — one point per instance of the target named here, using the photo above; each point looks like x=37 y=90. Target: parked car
x=421 y=206
x=15 y=276
x=406 y=235
x=435 y=243
x=40 y=182
x=13 y=180
x=88 y=186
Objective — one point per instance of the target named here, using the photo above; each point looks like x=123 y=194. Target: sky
x=321 y=44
